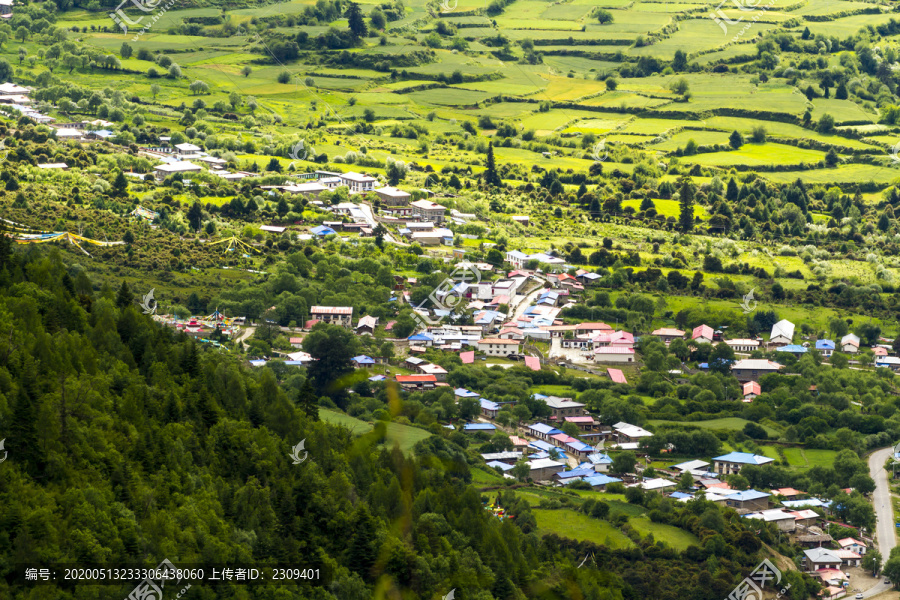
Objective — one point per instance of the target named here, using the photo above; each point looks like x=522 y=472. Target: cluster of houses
x=796 y=514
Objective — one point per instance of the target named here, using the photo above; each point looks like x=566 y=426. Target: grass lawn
x=580 y=527
x=678 y=539
x=480 y=477
x=404 y=435
x=802 y=458
x=726 y=424
x=771 y=452
x=563 y=391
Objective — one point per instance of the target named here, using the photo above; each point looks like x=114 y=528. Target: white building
x=745 y=345
x=357 y=182
x=182 y=166
x=426 y=209
x=782 y=333
x=498 y=347
x=850 y=343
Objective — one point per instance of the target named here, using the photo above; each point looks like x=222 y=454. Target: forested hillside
x=127 y=444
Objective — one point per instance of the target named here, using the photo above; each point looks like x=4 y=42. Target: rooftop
x=744 y=458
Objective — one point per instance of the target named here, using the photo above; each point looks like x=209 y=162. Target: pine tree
x=194 y=215
x=736 y=140
x=120 y=184
x=686 y=216
x=124 y=297
x=884 y=221
x=841 y=92
x=23 y=442
x=491 y=178
x=731 y=192
x=307 y=400
x=363 y=545
x=595 y=208
x=355 y=21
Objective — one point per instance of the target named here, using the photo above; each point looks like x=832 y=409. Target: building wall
x=545 y=474
x=614 y=358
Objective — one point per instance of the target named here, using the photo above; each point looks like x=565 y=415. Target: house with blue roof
x=540 y=454
x=752 y=500
x=825 y=347
x=573 y=475
x=600 y=461
x=599 y=482
x=421 y=339
x=807 y=503
x=464 y=393
x=681 y=496
x=322 y=231
x=476 y=427
x=731 y=463
x=363 y=362
x=499 y=465
x=489 y=409
x=541 y=445
x=543 y=431
x=794 y=349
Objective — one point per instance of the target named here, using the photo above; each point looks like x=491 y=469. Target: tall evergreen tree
x=686 y=202
x=491 y=177
x=124 y=297
x=355 y=21
x=120 y=183
x=194 y=215
x=363 y=545
x=307 y=400
x=731 y=192
x=595 y=208
x=23 y=442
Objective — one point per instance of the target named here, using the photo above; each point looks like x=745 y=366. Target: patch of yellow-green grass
x=759 y=155
x=842 y=174
x=679 y=539
x=803 y=458
x=576 y=526
x=481 y=477
x=404 y=435
x=563 y=391
x=666 y=208
x=771 y=452
x=723 y=424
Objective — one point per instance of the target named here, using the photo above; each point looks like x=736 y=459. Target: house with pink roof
x=751 y=391
x=702 y=334
x=853 y=545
